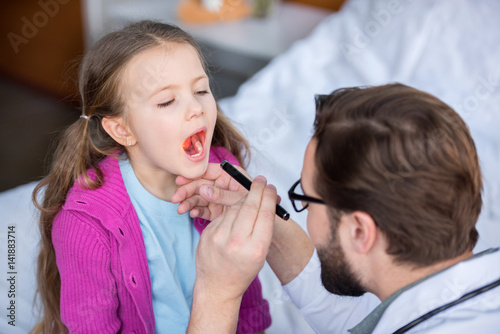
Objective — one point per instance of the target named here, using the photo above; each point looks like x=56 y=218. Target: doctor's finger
x=249 y=210
x=201 y=212
x=191 y=203
x=188 y=190
x=214 y=175
x=263 y=228
x=222 y=179
x=216 y=195
x=181 y=180
x=221 y=225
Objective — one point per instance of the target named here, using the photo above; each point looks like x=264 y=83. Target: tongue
x=187 y=144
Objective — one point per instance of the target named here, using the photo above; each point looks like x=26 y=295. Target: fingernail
x=260 y=178
x=208 y=191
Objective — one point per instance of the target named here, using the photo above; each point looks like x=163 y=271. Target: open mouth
x=193 y=145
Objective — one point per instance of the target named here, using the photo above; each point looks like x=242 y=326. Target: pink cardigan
x=101 y=257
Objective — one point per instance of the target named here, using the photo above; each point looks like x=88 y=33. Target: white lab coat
x=327 y=313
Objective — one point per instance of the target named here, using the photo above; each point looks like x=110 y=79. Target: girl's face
x=170 y=111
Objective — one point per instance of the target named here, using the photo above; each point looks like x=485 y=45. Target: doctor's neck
x=392 y=276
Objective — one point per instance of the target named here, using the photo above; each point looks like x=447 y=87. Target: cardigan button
x=132 y=278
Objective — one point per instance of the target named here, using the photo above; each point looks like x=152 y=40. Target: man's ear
x=362 y=231
x=118 y=130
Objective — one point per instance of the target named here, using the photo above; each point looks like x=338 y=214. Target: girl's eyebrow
x=198 y=78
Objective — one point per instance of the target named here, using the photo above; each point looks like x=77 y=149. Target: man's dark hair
x=408 y=160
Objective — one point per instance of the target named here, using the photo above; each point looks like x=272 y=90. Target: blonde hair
x=85 y=143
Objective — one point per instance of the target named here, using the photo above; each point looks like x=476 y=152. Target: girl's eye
x=166 y=104
x=202 y=92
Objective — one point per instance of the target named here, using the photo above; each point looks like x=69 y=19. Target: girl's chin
x=195 y=171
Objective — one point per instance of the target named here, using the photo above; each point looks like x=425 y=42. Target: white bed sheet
x=16 y=209
x=449 y=48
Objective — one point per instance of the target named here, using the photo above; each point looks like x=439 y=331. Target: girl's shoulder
x=107 y=208
x=111 y=194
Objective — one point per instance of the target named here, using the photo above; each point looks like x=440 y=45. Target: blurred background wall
x=43 y=41
x=40 y=44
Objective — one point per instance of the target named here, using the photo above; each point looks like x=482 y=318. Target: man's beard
x=337 y=275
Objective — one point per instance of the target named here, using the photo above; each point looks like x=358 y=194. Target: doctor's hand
x=208 y=196
x=231 y=252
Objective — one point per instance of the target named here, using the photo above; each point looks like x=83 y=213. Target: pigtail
x=74 y=155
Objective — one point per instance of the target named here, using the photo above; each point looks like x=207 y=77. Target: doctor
x=392 y=188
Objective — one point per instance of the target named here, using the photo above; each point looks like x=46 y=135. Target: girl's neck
x=160 y=184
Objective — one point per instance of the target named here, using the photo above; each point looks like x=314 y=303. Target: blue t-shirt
x=171 y=241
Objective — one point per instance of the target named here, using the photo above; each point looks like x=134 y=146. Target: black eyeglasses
x=300 y=201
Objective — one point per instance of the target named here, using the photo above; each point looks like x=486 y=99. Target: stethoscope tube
x=432 y=313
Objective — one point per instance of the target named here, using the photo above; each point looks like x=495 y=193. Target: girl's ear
x=118 y=130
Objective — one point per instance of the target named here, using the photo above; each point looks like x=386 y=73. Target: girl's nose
x=194 y=108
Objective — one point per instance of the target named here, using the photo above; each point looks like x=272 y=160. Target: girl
x=115 y=255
